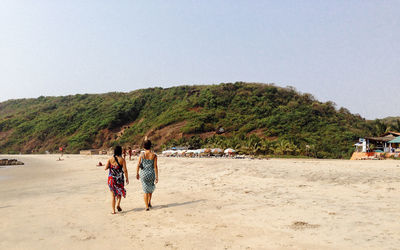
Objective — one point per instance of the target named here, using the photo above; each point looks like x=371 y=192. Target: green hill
x=252 y=118
x=393 y=123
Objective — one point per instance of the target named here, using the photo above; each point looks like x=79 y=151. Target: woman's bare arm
x=125 y=171
x=107 y=165
x=138 y=166
x=156 y=167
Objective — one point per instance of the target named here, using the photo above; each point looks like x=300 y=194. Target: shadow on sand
x=176 y=204
x=6 y=206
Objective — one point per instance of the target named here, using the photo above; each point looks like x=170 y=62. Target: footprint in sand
x=220 y=226
x=84 y=237
x=168 y=244
x=301 y=225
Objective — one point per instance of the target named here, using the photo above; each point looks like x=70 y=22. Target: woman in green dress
x=147 y=171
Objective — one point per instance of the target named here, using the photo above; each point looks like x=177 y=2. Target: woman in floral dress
x=117 y=168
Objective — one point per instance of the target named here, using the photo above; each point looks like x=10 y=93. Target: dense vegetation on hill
x=388 y=124
x=252 y=118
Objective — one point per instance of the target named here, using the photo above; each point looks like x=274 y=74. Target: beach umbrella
x=229 y=151
x=205 y=152
x=217 y=151
x=181 y=152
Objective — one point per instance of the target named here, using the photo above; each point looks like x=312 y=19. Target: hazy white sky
x=344 y=51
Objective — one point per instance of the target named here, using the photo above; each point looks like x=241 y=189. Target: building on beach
x=386 y=145
x=394 y=145
x=89 y=152
x=381 y=143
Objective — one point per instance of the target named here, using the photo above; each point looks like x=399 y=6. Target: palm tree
x=265 y=146
x=395 y=126
x=282 y=147
x=379 y=127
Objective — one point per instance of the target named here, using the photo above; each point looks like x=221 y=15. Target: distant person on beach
x=61 y=151
x=117 y=168
x=148 y=173
x=130 y=153
x=124 y=153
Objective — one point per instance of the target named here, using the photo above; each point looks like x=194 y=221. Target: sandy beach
x=202 y=204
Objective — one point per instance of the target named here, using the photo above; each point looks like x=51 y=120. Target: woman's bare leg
x=146 y=200
x=150 y=194
x=113 y=202
x=118 y=201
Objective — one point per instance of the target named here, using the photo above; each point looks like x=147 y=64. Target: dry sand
x=203 y=204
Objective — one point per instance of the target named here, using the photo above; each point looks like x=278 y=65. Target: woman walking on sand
x=130 y=153
x=117 y=168
x=124 y=153
x=148 y=173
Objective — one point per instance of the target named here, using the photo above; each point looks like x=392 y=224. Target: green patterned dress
x=147 y=175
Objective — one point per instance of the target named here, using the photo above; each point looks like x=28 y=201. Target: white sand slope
x=203 y=204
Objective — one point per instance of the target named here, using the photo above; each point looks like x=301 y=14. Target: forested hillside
x=252 y=118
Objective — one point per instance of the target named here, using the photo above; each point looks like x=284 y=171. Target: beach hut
x=369 y=147
x=89 y=152
x=379 y=143
x=394 y=145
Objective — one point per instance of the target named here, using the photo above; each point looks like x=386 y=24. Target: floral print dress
x=116 y=180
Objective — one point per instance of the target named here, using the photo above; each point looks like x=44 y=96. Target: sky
x=345 y=51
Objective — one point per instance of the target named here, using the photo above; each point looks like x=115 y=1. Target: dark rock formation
x=7 y=162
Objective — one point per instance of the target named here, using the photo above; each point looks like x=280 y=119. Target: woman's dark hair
x=147 y=144
x=118 y=151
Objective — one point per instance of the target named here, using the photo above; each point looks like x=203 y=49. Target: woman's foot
x=150 y=205
x=119 y=209
x=147 y=209
x=113 y=212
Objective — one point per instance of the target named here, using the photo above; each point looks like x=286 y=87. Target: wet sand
x=202 y=204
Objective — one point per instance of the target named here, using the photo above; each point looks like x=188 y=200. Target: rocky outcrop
x=7 y=162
